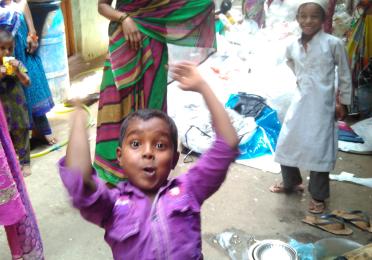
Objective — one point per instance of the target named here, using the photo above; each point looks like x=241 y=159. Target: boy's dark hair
x=319 y=6
x=146 y=114
x=5 y=35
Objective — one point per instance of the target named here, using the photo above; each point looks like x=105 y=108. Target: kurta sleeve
x=207 y=175
x=95 y=207
x=343 y=72
x=289 y=59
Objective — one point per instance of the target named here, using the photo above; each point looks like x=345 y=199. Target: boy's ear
x=118 y=155
x=175 y=159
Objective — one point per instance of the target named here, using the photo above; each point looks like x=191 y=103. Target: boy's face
x=6 y=48
x=310 y=18
x=147 y=153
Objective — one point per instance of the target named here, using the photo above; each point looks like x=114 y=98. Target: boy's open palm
x=187 y=74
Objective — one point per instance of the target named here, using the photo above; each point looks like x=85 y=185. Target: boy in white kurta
x=308 y=139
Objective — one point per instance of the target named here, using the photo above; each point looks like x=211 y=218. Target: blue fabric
x=41 y=124
x=349 y=136
x=38 y=95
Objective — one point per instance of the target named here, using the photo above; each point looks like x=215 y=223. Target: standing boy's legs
x=291 y=177
x=292 y=181
x=319 y=190
x=319 y=185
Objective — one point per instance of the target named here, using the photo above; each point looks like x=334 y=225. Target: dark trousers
x=318 y=184
x=41 y=124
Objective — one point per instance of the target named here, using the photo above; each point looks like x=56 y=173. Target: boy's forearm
x=220 y=118
x=78 y=149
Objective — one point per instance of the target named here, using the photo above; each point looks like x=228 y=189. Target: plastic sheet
x=349 y=177
x=304 y=251
x=235 y=243
x=266 y=135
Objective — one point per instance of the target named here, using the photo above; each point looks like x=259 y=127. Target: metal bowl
x=272 y=249
x=329 y=248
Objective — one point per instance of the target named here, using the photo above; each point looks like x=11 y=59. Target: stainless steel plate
x=272 y=249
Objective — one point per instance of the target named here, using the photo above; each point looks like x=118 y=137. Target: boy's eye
x=160 y=146
x=135 y=144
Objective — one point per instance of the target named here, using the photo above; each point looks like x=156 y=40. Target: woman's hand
x=131 y=33
x=32 y=44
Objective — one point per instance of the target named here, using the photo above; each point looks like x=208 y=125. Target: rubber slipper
x=330 y=223
x=279 y=188
x=316 y=207
x=358 y=218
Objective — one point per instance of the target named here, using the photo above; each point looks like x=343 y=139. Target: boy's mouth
x=149 y=171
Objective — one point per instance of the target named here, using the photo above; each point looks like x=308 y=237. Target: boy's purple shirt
x=168 y=227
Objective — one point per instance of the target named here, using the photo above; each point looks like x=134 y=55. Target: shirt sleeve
x=95 y=207
x=207 y=175
x=343 y=72
x=289 y=59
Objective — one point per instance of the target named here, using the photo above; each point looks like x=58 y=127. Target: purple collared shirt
x=168 y=227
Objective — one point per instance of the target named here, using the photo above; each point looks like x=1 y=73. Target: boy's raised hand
x=187 y=74
x=78 y=150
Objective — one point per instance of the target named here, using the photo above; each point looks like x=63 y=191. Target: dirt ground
x=243 y=203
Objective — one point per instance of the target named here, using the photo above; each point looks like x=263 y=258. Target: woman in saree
x=16 y=212
x=359 y=47
x=135 y=72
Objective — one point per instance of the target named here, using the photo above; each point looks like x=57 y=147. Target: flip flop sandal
x=358 y=218
x=330 y=223
x=316 y=207
x=279 y=188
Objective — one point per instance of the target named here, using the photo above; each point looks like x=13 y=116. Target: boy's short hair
x=5 y=35
x=146 y=114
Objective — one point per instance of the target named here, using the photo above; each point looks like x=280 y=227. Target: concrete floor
x=243 y=203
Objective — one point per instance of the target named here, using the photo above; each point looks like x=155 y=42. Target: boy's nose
x=148 y=153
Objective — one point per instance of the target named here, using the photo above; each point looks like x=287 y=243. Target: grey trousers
x=318 y=184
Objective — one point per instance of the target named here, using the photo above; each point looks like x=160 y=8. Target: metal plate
x=273 y=249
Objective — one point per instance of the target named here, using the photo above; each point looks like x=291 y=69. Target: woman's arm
x=105 y=9
x=32 y=39
x=130 y=30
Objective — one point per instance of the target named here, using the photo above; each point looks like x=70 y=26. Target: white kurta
x=308 y=138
